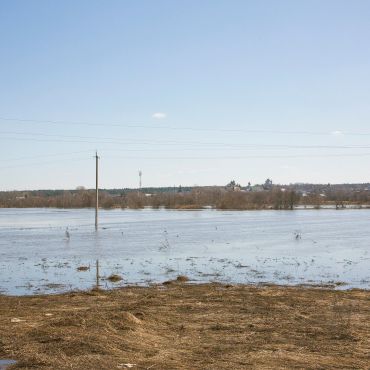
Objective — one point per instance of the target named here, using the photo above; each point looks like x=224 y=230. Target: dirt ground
x=183 y=326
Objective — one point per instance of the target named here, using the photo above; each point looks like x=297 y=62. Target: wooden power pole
x=96 y=190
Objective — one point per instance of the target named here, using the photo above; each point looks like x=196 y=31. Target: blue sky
x=247 y=90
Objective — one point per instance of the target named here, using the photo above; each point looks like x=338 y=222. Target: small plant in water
x=83 y=268
x=182 y=278
x=114 y=278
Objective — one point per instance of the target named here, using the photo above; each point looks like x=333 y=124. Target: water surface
x=147 y=246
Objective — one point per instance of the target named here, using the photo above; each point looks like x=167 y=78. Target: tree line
x=215 y=197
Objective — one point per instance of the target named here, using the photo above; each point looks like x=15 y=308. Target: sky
x=189 y=92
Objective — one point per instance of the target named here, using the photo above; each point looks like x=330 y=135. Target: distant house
x=233 y=186
x=248 y=187
x=258 y=188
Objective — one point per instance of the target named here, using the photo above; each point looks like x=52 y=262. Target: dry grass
x=83 y=268
x=182 y=279
x=183 y=326
x=114 y=278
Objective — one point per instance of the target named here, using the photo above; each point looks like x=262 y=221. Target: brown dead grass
x=114 y=278
x=182 y=279
x=183 y=326
x=83 y=268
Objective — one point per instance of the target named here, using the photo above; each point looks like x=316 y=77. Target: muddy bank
x=181 y=326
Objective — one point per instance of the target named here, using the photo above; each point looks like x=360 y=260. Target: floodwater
x=4 y=364
x=150 y=246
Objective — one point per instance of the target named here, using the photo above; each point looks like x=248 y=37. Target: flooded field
x=148 y=246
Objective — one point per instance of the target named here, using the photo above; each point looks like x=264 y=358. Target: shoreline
x=340 y=286
x=208 y=208
x=188 y=326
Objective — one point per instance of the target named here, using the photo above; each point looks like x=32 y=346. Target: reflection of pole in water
x=97 y=274
x=96 y=190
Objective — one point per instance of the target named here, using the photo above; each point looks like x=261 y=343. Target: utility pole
x=96 y=190
x=140 y=174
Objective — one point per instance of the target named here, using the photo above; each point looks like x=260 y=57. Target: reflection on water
x=5 y=363
x=97 y=276
x=147 y=246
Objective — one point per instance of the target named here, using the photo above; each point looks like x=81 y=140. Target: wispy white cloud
x=337 y=133
x=159 y=115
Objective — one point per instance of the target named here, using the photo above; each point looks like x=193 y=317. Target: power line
x=43 y=156
x=251 y=156
x=42 y=163
x=183 y=128
x=196 y=158
x=111 y=140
